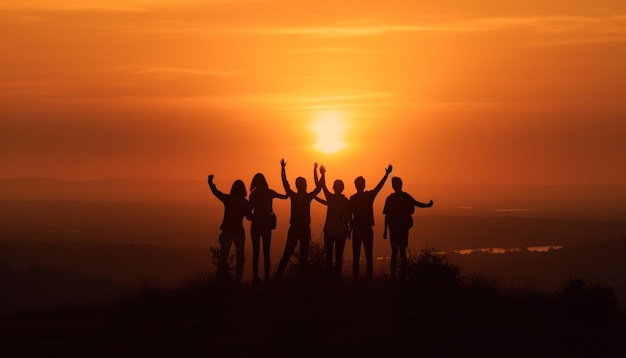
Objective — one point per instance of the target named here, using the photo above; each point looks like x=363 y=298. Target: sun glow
x=329 y=128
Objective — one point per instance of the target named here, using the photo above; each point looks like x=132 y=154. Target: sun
x=329 y=127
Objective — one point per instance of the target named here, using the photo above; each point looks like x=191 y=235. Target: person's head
x=338 y=186
x=258 y=182
x=301 y=184
x=396 y=184
x=238 y=189
x=359 y=184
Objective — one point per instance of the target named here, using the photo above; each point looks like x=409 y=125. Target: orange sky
x=479 y=92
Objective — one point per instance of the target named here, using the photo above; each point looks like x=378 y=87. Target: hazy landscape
x=97 y=245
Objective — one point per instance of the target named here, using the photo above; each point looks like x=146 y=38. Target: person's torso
x=361 y=206
x=300 y=209
x=261 y=203
x=398 y=208
x=337 y=215
x=235 y=209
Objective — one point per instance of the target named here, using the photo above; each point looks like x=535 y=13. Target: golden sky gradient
x=477 y=92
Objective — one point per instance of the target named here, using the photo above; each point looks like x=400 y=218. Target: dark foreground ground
x=298 y=317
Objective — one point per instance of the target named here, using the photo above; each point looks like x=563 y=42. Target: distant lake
x=492 y=250
x=501 y=250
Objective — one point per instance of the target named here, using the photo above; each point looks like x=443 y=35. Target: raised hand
x=211 y=176
x=388 y=169
x=322 y=170
x=283 y=163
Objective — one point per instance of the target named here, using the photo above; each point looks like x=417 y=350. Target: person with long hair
x=236 y=207
x=263 y=222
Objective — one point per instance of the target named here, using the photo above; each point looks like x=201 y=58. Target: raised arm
x=383 y=180
x=214 y=189
x=316 y=180
x=321 y=183
x=283 y=176
x=324 y=187
x=279 y=195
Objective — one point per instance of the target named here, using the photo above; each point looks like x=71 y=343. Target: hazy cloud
x=100 y=5
x=354 y=31
x=184 y=71
x=562 y=30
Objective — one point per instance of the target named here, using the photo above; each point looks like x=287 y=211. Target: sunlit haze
x=481 y=92
x=329 y=128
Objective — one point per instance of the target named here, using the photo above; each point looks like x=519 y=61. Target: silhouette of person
x=337 y=224
x=299 y=222
x=261 y=197
x=362 y=214
x=236 y=207
x=399 y=209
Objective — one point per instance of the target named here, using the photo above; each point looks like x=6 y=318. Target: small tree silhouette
x=316 y=264
x=215 y=258
x=430 y=269
x=580 y=297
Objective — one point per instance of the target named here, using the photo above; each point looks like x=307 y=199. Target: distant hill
x=589 y=201
x=111 y=190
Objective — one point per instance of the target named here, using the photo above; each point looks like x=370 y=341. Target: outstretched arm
x=423 y=205
x=347 y=220
x=214 y=189
x=248 y=214
x=383 y=180
x=320 y=200
x=280 y=196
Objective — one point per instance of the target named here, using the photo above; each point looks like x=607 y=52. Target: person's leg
x=290 y=246
x=356 y=252
x=305 y=240
x=394 y=251
x=226 y=241
x=240 y=241
x=267 y=240
x=256 y=238
x=404 y=242
x=368 y=246
x=328 y=247
x=340 y=243
x=394 y=260
x=402 y=262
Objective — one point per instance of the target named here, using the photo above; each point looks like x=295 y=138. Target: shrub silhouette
x=430 y=269
x=580 y=297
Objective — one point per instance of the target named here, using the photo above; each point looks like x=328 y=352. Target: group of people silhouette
x=346 y=219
